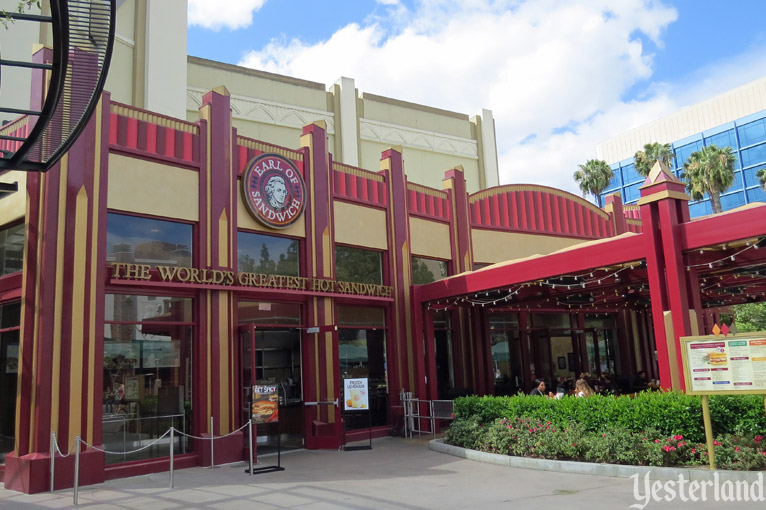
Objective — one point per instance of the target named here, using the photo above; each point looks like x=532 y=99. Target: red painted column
x=324 y=427
x=403 y=325
x=218 y=339
x=613 y=207
x=663 y=204
x=60 y=369
x=463 y=349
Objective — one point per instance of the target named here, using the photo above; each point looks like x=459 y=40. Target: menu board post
x=356 y=398
x=264 y=409
x=723 y=365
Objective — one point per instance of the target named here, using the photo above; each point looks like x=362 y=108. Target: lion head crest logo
x=274 y=190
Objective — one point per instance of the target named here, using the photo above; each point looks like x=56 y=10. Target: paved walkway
x=395 y=474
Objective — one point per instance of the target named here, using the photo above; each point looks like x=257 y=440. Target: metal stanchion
x=250 y=429
x=433 y=419
x=53 y=459
x=76 y=468
x=212 y=452
x=172 y=447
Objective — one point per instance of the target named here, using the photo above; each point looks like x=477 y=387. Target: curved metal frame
x=61 y=36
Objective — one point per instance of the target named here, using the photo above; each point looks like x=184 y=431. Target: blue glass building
x=747 y=139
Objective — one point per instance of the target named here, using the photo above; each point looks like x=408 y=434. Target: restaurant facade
x=164 y=267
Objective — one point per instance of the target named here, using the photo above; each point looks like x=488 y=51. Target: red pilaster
x=401 y=269
x=323 y=423
x=663 y=208
x=613 y=208
x=62 y=293
x=216 y=249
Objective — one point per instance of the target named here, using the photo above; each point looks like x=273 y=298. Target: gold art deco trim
x=359 y=172
x=160 y=120
x=14 y=125
x=265 y=147
x=426 y=190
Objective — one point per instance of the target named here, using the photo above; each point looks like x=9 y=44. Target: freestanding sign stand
x=721 y=365
x=264 y=409
x=355 y=399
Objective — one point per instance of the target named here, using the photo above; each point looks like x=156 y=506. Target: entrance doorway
x=271 y=356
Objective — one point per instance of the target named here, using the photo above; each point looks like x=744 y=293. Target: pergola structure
x=671 y=279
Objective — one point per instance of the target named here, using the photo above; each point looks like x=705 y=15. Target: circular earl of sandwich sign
x=274 y=191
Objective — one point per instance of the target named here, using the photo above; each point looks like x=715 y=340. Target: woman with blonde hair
x=583 y=389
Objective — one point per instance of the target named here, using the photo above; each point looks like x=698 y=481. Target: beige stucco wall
x=492 y=246
x=141 y=186
x=430 y=239
x=13 y=206
x=416 y=116
x=240 y=81
x=120 y=80
x=360 y=226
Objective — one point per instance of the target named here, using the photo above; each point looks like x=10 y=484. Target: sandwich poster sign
x=356 y=395
x=265 y=406
x=725 y=365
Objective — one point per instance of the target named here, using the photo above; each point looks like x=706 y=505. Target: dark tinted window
x=148 y=241
x=258 y=253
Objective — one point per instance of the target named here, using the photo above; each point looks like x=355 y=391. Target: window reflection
x=11 y=249
x=148 y=241
x=147 y=374
x=428 y=270
x=358 y=265
x=257 y=253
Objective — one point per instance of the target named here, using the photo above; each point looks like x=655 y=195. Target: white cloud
x=231 y=14
x=539 y=66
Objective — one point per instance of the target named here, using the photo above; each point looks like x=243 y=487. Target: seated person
x=583 y=389
x=641 y=382
x=539 y=389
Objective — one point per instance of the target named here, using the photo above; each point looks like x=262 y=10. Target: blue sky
x=560 y=76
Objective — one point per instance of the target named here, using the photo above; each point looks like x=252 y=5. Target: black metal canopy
x=83 y=38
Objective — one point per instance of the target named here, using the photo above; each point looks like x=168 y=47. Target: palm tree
x=593 y=177
x=709 y=170
x=761 y=174
x=644 y=160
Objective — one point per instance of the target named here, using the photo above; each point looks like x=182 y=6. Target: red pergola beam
x=619 y=250
x=723 y=228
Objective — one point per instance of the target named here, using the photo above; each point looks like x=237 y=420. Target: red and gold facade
x=76 y=294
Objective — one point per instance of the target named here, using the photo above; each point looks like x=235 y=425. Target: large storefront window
x=147 y=373
x=148 y=241
x=11 y=249
x=359 y=266
x=257 y=253
x=506 y=353
x=428 y=270
x=10 y=318
x=362 y=354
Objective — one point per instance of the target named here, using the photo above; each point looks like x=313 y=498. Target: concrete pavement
x=396 y=474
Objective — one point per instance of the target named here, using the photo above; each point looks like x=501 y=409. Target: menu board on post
x=721 y=365
x=356 y=395
x=265 y=405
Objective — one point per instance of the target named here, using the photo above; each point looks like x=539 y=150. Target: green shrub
x=525 y=437
x=668 y=413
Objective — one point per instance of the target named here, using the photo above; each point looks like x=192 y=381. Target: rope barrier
x=56 y=444
x=130 y=452
x=201 y=438
x=127 y=452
